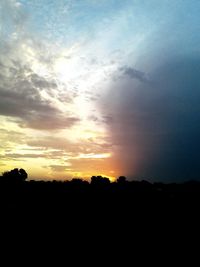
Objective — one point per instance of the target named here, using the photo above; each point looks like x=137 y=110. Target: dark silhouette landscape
x=96 y=215
x=99 y=196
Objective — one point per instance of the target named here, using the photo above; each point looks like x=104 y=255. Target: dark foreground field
x=123 y=216
x=99 y=197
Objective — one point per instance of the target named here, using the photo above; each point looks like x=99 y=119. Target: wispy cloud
x=60 y=168
x=133 y=73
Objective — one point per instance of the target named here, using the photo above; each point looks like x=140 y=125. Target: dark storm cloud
x=156 y=131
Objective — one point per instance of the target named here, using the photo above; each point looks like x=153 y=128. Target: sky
x=103 y=87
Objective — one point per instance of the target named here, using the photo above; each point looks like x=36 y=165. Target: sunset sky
x=100 y=87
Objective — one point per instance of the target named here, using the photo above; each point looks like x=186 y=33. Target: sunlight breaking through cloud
x=100 y=86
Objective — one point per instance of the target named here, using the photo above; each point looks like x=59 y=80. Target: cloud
x=29 y=92
x=10 y=139
x=60 y=168
x=107 y=119
x=10 y=134
x=103 y=119
x=32 y=111
x=22 y=156
x=96 y=73
x=41 y=83
x=20 y=97
x=2 y=164
x=133 y=73
x=71 y=149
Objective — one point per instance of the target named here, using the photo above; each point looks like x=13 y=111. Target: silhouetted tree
x=121 y=180
x=78 y=181
x=23 y=174
x=99 y=180
x=16 y=174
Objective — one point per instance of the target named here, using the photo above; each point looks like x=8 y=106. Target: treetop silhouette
x=16 y=174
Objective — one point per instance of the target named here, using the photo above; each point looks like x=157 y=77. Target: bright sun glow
x=62 y=82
